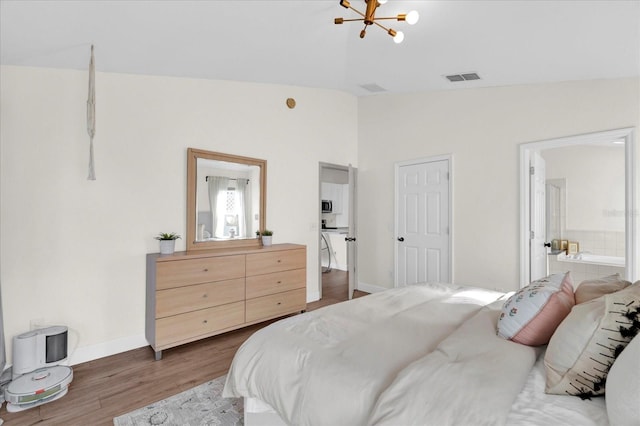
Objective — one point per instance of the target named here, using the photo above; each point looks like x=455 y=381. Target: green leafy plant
x=264 y=233
x=167 y=236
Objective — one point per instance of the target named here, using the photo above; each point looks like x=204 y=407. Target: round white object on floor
x=38 y=387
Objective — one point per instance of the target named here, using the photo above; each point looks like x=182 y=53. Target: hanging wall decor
x=91 y=114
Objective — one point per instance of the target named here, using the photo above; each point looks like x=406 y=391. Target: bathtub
x=593 y=259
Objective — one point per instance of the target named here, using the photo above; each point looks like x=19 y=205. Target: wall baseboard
x=369 y=288
x=313 y=296
x=112 y=347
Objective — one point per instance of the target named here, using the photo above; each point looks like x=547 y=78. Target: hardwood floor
x=335 y=288
x=111 y=386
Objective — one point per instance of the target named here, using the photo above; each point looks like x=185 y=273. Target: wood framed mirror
x=226 y=200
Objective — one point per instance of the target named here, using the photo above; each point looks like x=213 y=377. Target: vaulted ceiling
x=296 y=42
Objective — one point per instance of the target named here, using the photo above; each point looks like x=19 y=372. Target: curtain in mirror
x=244 y=198
x=230 y=205
x=218 y=186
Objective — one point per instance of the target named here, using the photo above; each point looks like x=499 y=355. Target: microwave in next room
x=327 y=206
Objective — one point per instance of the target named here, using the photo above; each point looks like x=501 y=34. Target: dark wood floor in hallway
x=335 y=288
x=114 y=385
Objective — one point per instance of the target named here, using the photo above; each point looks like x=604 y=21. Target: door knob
x=401 y=239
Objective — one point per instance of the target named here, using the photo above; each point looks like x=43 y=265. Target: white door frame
x=352 y=247
x=445 y=157
x=632 y=246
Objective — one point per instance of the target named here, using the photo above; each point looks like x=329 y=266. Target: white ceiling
x=296 y=42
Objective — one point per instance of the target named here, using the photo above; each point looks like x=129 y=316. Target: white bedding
x=533 y=407
x=425 y=354
x=472 y=378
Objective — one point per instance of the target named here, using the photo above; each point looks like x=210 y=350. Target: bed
x=425 y=354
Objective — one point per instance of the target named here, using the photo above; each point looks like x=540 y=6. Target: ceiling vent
x=463 y=77
x=373 y=88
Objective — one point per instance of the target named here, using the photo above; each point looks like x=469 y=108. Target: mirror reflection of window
x=230 y=204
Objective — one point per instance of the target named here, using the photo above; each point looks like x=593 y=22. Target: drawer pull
x=205 y=295
x=279 y=260
x=279 y=282
x=205 y=321
x=206 y=270
x=279 y=303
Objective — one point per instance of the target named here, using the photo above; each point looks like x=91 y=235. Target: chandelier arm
x=389 y=17
x=357 y=11
x=352 y=20
x=381 y=26
x=363 y=32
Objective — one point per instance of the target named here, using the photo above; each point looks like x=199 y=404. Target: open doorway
x=336 y=231
x=583 y=218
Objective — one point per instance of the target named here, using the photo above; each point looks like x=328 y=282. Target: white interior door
x=423 y=237
x=537 y=234
x=351 y=237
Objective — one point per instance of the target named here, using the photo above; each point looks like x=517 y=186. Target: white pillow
x=585 y=345
x=623 y=387
x=531 y=315
x=592 y=289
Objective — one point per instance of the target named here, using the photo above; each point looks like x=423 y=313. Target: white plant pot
x=167 y=246
x=266 y=240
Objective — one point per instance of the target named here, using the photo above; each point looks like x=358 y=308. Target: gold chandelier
x=369 y=18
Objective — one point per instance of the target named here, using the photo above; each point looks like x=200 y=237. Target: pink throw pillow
x=531 y=316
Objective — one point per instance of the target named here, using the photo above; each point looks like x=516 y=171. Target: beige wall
x=73 y=251
x=482 y=129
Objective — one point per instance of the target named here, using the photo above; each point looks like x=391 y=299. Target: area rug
x=199 y=406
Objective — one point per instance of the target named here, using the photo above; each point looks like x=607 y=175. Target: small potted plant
x=167 y=242
x=266 y=236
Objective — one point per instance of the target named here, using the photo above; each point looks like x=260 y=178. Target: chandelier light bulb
x=382 y=1
x=412 y=17
x=398 y=37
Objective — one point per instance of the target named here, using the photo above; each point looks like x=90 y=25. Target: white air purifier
x=38 y=376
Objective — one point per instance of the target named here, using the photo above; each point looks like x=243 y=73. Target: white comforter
x=423 y=354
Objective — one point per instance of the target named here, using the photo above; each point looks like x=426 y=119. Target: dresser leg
x=158 y=355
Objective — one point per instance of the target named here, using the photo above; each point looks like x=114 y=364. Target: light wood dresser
x=193 y=295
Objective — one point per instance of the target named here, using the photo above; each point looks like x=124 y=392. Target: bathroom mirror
x=226 y=200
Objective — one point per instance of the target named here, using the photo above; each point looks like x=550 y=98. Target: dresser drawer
x=276 y=282
x=198 y=296
x=191 y=324
x=200 y=270
x=276 y=304
x=275 y=261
